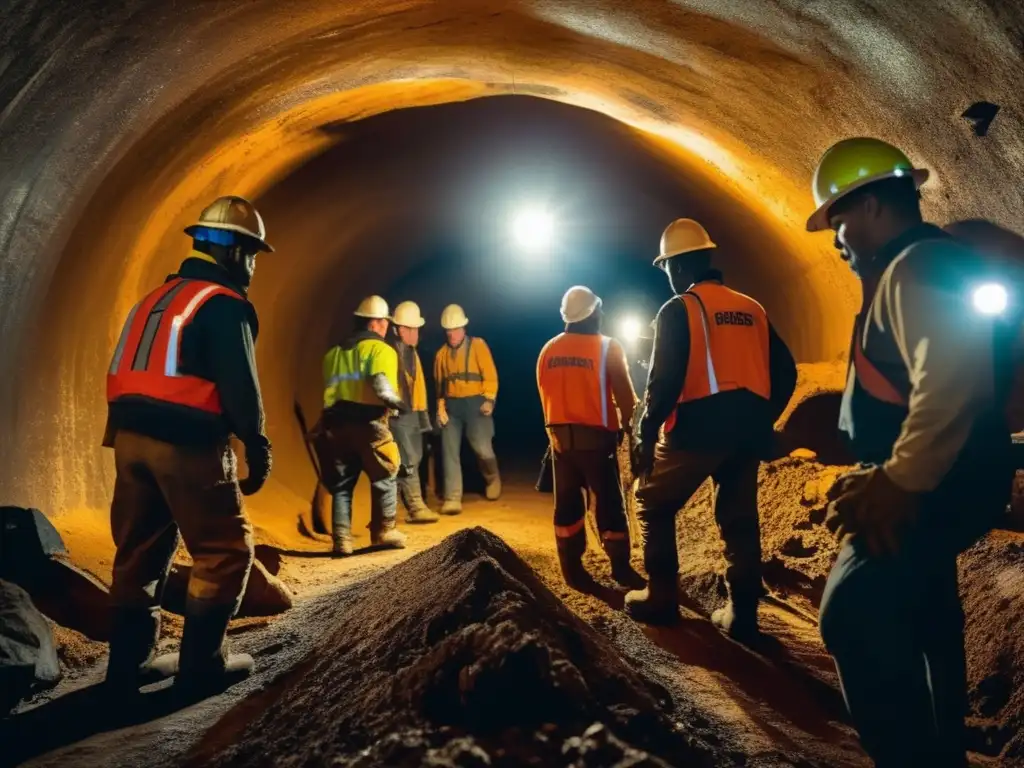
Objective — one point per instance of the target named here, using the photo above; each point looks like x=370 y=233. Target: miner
x=183 y=381
x=718 y=379
x=588 y=401
x=467 y=387
x=353 y=435
x=923 y=414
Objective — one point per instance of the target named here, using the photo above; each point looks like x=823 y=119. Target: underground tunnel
x=389 y=144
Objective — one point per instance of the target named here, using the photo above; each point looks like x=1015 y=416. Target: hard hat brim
x=368 y=316
x=263 y=244
x=463 y=324
x=819 y=220
x=419 y=324
x=663 y=257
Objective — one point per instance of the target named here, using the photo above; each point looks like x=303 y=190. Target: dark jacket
x=738 y=420
x=219 y=346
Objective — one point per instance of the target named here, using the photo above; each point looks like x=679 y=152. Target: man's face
x=379 y=326
x=455 y=336
x=855 y=227
x=409 y=336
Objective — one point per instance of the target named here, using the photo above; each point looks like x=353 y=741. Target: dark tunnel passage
x=120 y=121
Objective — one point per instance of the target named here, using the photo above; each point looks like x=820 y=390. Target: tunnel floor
x=775 y=705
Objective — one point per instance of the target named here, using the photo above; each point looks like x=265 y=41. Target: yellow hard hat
x=453 y=317
x=372 y=308
x=683 y=236
x=407 y=314
x=233 y=214
x=851 y=164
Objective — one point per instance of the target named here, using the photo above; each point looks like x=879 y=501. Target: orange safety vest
x=572 y=376
x=146 y=360
x=728 y=345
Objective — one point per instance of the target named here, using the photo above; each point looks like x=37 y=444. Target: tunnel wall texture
x=118 y=121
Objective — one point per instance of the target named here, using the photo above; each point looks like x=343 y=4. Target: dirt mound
x=459 y=656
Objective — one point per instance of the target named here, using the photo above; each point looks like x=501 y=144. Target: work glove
x=259 y=458
x=442 y=414
x=641 y=460
x=487 y=408
x=866 y=503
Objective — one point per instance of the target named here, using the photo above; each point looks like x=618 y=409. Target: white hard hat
x=683 y=236
x=372 y=308
x=453 y=317
x=407 y=314
x=579 y=303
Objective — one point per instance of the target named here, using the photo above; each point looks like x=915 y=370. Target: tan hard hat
x=233 y=214
x=372 y=308
x=579 y=303
x=453 y=317
x=683 y=236
x=407 y=314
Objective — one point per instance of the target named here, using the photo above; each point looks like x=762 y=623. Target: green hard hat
x=851 y=164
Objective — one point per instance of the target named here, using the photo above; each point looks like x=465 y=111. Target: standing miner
x=408 y=428
x=923 y=413
x=467 y=385
x=353 y=436
x=587 y=397
x=181 y=382
x=719 y=378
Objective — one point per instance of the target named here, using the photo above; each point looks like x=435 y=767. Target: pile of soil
x=459 y=656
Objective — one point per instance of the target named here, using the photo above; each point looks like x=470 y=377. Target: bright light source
x=630 y=329
x=533 y=229
x=990 y=299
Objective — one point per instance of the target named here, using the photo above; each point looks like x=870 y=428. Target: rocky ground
x=474 y=652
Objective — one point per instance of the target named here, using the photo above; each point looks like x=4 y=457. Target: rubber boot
x=206 y=668
x=618 y=551
x=657 y=604
x=738 y=618
x=570 y=560
x=451 y=507
x=389 y=536
x=133 y=638
x=343 y=546
x=416 y=510
x=489 y=469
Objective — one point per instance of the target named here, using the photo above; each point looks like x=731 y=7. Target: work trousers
x=464 y=416
x=162 y=489
x=676 y=476
x=408 y=430
x=895 y=627
x=346 y=450
x=584 y=462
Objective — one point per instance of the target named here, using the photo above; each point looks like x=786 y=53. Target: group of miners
x=375 y=416
x=923 y=413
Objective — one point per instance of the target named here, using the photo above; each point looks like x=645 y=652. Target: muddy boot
x=389 y=536
x=451 y=507
x=738 y=618
x=206 y=668
x=570 y=560
x=489 y=469
x=420 y=515
x=342 y=545
x=657 y=604
x=618 y=552
x=133 y=638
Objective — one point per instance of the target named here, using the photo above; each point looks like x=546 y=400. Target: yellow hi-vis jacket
x=466 y=371
x=414 y=383
x=350 y=367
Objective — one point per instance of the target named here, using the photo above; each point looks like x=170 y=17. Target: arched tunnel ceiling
x=118 y=121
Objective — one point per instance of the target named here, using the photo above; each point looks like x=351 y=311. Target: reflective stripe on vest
x=728 y=345
x=146 y=361
x=573 y=381
x=868 y=376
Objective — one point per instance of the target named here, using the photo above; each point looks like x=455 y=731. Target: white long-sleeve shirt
x=947 y=349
